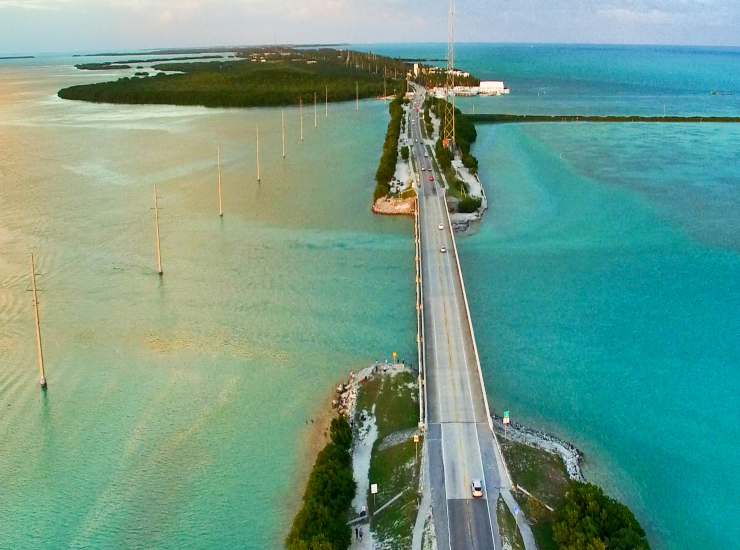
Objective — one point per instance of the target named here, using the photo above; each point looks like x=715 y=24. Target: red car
x=431 y=178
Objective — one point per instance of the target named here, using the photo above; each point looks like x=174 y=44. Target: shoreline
x=571 y=455
x=385 y=206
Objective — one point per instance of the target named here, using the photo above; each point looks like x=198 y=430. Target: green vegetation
x=393 y=466
x=584 y=517
x=265 y=77
x=428 y=126
x=432 y=77
x=510 y=534
x=405 y=152
x=592 y=520
x=101 y=66
x=503 y=119
x=469 y=204
x=387 y=164
x=321 y=523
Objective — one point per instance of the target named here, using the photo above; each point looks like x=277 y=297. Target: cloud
x=34 y=4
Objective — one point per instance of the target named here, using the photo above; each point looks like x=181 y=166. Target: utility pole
x=220 y=198
x=39 y=349
x=156 y=227
x=300 y=108
x=259 y=179
x=282 y=124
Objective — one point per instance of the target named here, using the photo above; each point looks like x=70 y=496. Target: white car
x=440 y=226
x=443 y=250
x=477 y=488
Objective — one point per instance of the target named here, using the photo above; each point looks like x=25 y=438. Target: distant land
x=105 y=65
x=504 y=119
x=18 y=57
x=261 y=77
x=158 y=52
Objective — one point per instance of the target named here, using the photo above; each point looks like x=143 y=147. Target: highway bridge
x=460 y=445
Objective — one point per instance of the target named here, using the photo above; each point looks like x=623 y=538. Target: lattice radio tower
x=448 y=136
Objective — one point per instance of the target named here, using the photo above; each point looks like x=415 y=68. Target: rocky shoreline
x=395 y=207
x=571 y=455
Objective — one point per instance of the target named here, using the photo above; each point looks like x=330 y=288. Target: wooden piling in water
x=220 y=197
x=156 y=228
x=282 y=125
x=39 y=347
x=259 y=179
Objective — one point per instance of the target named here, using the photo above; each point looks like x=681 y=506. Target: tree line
x=245 y=83
x=389 y=157
x=591 y=520
x=321 y=523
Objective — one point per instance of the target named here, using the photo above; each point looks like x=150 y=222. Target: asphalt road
x=460 y=445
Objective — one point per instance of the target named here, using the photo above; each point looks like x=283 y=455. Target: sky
x=34 y=26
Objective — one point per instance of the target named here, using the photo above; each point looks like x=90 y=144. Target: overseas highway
x=460 y=443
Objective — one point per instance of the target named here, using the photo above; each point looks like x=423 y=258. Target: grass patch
x=542 y=474
x=507 y=524
x=394 y=468
x=396 y=404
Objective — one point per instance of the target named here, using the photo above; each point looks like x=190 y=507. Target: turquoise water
x=176 y=412
x=605 y=277
x=604 y=286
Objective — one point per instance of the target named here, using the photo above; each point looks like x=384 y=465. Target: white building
x=492 y=87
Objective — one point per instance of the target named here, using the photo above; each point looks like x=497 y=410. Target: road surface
x=460 y=444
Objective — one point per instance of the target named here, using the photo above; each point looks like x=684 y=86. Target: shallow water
x=603 y=283
x=177 y=408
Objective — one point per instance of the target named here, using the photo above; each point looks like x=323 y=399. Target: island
x=258 y=77
x=108 y=65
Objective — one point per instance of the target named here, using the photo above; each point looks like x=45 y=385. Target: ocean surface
x=177 y=408
x=605 y=277
x=603 y=283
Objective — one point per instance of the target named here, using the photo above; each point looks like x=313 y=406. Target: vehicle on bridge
x=443 y=250
x=477 y=488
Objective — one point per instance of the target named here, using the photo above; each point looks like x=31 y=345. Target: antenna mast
x=448 y=138
x=39 y=349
